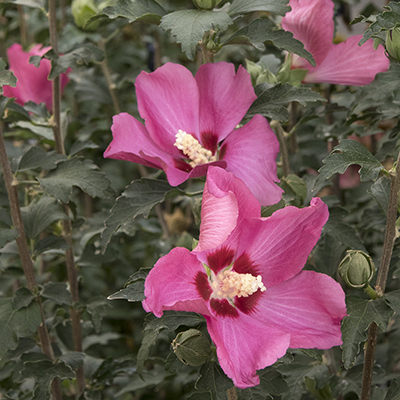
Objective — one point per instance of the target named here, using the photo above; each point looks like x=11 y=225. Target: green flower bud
x=206 y=4
x=254 y=70
x=192 y=347
x=357 y=269
x=393 y=43
x=82 y=11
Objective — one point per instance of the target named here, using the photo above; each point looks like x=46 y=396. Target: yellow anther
x=193 y=149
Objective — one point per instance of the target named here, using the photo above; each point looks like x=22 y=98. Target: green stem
x=283 y=147
x=371 y=292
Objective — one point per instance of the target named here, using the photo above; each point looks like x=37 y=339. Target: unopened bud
x=393 y=43
x=206 y=4
x=357 y=269
x=192 y=347
x=82 y=11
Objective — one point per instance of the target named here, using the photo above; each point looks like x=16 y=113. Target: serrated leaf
x=44 y=371
x=137 y=199
x=213 y=379
x=380 y=191
x=147 y=11
x=23 y=297
x=16 y=323
x=50 y=242
x=40 y=214
x=272 y=100
x=188 y=26
x=6 y=77
x=76 y=172
x=7 y=235
x=261 y=30
x=239 y=7
x=170 y=320
x=349 y=152
x=362 y=313
x=37 y=157
x=57 y=292
x=134 y=288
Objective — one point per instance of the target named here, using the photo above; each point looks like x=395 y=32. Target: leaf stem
x=390 y=236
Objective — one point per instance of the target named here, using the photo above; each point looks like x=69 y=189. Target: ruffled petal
x=244 y=345
x=225 y=97
x=311 y=22
x=280 y=244
x=250 y=153
x=171 y=287
x=310 y=307
x=168 y=100
x=348 y=63
x=226 y=203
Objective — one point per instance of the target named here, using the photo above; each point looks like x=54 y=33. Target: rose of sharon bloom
x=32 y=82
x=347 y=63
x=187 y=118
x=245 y=276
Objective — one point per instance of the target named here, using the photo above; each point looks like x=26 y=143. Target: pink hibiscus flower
x=311 y=22
x=32 y=82
x=187 y=118
x=245 y=278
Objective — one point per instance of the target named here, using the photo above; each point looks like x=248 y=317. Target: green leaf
x=76 y=172
x=134 y=288
x=188 y=26
x=272 y=100
x=147 y=11
x=16 y=323
x=40 y=214
x=346 y=153
x=200 y=396
x=271 y=383
x=170 y=320
x=41 y=130
x=37 y=157
x=137 y=199
x=23 y=297
x=74 y=359
x=261 y=30
x=50 y=242
x=57 y=292
x=239 y=7
x=394 y=390
x=380 y=191
x=6 y=77
x=97 y=308
x=362 y=313
x=295 y=189
x=4 y=101
x=7 y=235
x=213 y=379
x=80 y=145
x=44 y=371
x=29 y=3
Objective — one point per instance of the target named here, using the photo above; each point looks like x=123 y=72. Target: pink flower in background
x=32 y=82
x=311 y=22
x=245 y=276
x=187 y=118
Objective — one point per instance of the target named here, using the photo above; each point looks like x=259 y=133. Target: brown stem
x=283 y=148
x=26 y=260
x=390 y=236
x=22 y=25
x=208 y=56
x=231 y=393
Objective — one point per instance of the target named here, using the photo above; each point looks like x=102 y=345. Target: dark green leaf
x=346 y=153
x=80 y=145
x=57 y=292
x=37 y=157
x=29 y=3
x=239 y=7
x=6 y=77
x=44 y=371
x=74 y=359
x=394 y=390
x=50 y=242
x=4 y=101
x=134 y=288
x=23 y=297
x=200 y=396
x=7 y=235
x=314 y=353
x=213 y=379
x=188 y=26
x=5 y=218
x=262 y=30
x=41 y=130
x=137 y=199
x=393 y=299
x=362 y=313
x=148 y=11
x=16 y=323
x=172 y=363
x=97 y=308
x=380 y=191
x=272 y=100
x=76 y=172
x=40 y=214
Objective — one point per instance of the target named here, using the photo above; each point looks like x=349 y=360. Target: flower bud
x=357 y=269
x=82 y=11
x=206 y=4
x=192 y=347
x=393 y=43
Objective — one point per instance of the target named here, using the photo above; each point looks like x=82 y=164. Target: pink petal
x=280 y=244
x=226 y=203
x=350 y=64
x=225 y=97
x=168 y=100
x=245 y=345
x=310 y=307
x=171 y=287
x=311 y=22
x=250 y=153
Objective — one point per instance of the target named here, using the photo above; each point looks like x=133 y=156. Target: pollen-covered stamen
x=229 y=284
x=192 y=148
